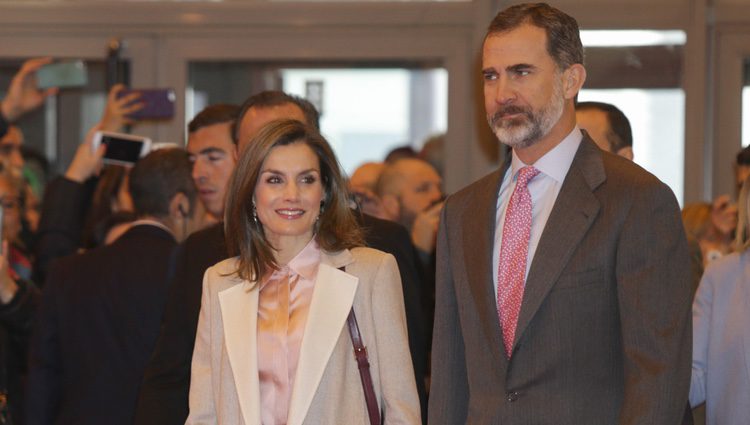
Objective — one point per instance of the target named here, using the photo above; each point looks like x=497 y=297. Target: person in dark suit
x=163 y=397
x=562 y=278
x=66 y=219
x=100 y=311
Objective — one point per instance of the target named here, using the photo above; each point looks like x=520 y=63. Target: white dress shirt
x=544 y=188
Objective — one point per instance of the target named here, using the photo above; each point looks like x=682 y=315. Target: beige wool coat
x=224 y=387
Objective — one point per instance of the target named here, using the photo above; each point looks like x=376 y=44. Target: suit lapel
x=239 y=313
x=332 y=300
x=479 y=239
x=574 y=211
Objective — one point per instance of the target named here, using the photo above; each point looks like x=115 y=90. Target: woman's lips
x=290 y=213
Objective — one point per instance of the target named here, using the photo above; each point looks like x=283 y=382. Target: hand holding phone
x=24 y=95
x=119 y=107
x=158 y=104
x=122 y=149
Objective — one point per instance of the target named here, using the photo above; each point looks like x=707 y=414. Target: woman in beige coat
x=272 y=345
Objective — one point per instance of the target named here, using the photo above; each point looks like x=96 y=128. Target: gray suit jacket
x=721 y=345
x=603 y=335
x=224 y=388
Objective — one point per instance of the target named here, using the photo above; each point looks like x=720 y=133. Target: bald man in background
x=410 y=191
x=363 y=184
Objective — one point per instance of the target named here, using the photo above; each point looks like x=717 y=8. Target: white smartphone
x=122 y=149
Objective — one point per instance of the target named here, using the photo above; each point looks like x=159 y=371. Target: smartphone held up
x=158 y=104
x=62 y=74
x=122 y=149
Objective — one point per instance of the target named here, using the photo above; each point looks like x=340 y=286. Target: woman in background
x=721 y=335
x=272 y=345
x=11 y=191
x=712 y=226
x=18 y=299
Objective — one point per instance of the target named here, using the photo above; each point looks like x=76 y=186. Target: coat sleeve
x=702 y=309
x=399 y=400
x=201 y=396
x=61 y=222
x=449 y=388
x=654 y=296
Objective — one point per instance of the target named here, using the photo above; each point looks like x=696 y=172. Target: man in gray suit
x=562 y=294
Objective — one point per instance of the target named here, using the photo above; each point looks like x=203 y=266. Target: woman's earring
x=320 y=212
x=255 y=214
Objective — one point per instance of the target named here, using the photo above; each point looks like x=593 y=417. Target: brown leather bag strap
x=360 y=353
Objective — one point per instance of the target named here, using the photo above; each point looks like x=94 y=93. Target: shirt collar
x=556 y=162
x=304 y=264
x=151 y=222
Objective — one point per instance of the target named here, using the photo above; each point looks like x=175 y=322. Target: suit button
x=512 y=396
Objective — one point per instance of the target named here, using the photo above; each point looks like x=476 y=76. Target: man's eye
x=489 y=76
x=214 y=158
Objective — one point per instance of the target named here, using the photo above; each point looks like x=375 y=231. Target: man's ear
x=573 y=79
x=390 y=206
x=179 y=207
x=626 y=152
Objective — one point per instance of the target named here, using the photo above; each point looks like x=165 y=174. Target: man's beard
x=531 y=126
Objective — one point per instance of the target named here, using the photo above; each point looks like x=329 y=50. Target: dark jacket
x=96 y=328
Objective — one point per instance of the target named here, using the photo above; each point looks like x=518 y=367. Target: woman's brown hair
x=336 y=229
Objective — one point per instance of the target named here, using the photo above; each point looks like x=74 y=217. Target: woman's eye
x=273 y=180
x=309 y=179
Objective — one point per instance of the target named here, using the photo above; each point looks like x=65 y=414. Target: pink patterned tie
x=513 y=254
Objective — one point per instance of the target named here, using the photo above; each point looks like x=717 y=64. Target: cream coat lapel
x=332 y=299
x=239 y=313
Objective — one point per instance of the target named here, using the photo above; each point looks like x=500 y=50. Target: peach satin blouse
x=283 y=304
